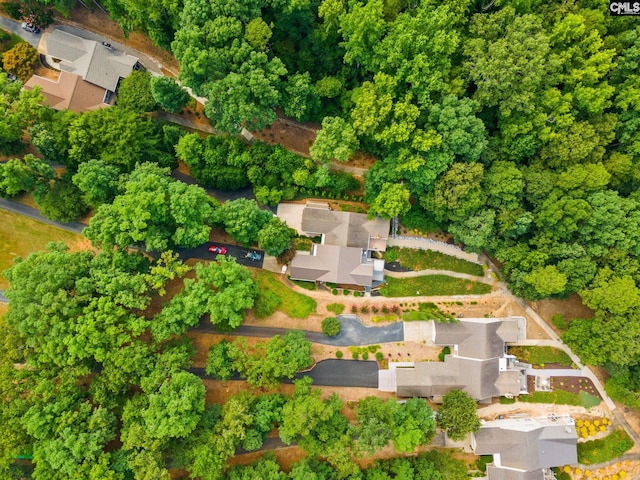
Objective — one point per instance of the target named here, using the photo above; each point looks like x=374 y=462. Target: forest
x=511 y=124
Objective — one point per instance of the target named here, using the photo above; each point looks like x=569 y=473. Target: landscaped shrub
x=337 y=308
x=364 y=309
x=339 y=354
x=365 y=356
x=445 y=351
x=331 y=326
x=354 y=309
x=379 y=356
x=375 y=309
x=604 y=449
x=355 y=355
x=334 y=291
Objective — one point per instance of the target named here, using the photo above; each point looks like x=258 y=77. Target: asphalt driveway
x=330 y=373
x=352 y=332
x=202 y=252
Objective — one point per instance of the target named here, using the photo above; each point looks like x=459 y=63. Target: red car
x=218 y=250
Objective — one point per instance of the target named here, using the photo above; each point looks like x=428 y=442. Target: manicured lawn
x=604 y=449
x=432 y=285
x=306 y=285
x=428 y=259
x=561 y=397
x=293 y=304
x=19 y=236
x=427 y=311
x=541 y=355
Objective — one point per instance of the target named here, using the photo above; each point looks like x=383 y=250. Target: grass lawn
x=541 y=355
x=306 y=285
x=604 y=449
x=19 y=236
x=432 y=285
x=427 y=311
x=291 y=303
x=428 y=259
x=561 y=397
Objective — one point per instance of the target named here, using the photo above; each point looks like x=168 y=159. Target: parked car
x=218 y=250
x=30 y=27
x=107 y=46
x=253 y=255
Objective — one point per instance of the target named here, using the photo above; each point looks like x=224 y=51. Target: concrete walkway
x=448 y=273
x=554 y=372
x=428 y=244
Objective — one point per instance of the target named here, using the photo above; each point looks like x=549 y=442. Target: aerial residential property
x=89 y=72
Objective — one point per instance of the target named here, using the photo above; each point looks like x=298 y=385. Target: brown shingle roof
x=69 y=92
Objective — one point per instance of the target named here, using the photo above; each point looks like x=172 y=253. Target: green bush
x=507 y=401
x=481 y=463
x=604 y=449
x=559 y=321
x=336 y=308
x=339 y=354
x=355 y=355
x=365 y=356
x=334 y=291
x=445 y=351
x=331 y=326
x=392 y=255
x=379 y=356
x=266 y=303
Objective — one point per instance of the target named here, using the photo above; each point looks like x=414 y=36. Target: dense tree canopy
x=153 y=210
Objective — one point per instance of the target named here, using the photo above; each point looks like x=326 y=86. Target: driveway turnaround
x=352 y=333
x=342 y=373
x=330 y=373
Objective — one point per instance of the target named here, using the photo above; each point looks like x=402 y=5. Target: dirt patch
x=570 y=307
x=295 y=137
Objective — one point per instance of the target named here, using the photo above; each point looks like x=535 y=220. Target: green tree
x=300 y=97
x=117 y=136
x=336 y=140
x=19 y=109
x=219 y=362
x=135 y=92
x=169 y=94
x=155 y=210
x=258 y=33
x=97 y=181
x=242 y=219
x=20 y=60
x=457 y=415
x=63 y=202
x=275 y=237
x=546 y=281
x=27 y=175
x=414 y=425
x=175 y=409
x=392 y=201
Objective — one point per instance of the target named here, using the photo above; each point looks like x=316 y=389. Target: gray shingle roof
x=477 y=337
x=93 y=62
x=332 y=263
x=347 y=229
x=528 y=444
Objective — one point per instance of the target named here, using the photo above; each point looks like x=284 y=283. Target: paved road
x=33 y=213
x=351 y=333
x=3 y=299
x=331 y=373
x=14 y=26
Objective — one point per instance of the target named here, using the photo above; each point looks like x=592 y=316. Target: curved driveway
x=351 y=333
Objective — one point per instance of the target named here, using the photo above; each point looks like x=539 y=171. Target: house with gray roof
x=478 y=362
x=526 y=448
x=347 y=239
x=89 y=71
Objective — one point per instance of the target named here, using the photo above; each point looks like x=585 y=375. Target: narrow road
x=15 y=207
x=353 y=332
x=3 y=299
